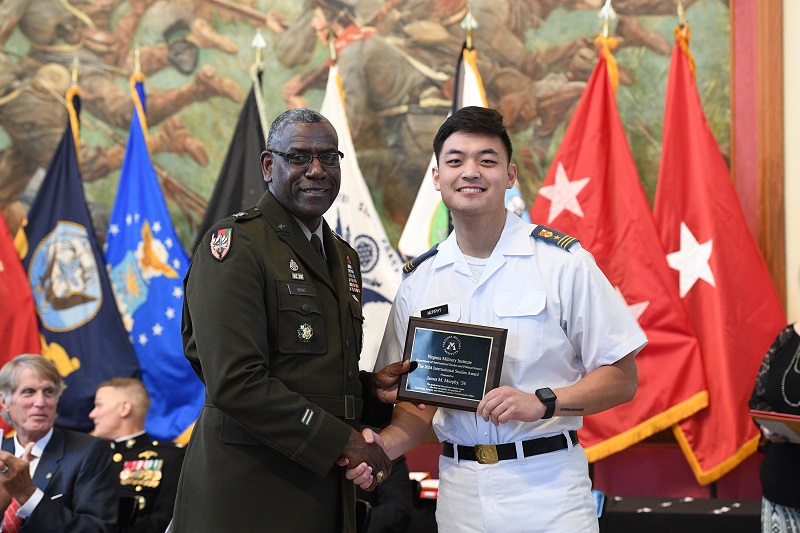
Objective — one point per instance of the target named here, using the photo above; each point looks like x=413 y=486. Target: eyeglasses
x=303 y=159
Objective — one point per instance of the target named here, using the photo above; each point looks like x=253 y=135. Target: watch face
x=546 y=395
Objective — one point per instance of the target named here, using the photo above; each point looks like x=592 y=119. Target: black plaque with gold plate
x=457 y=363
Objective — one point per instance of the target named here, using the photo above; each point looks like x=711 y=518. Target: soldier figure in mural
x=396 y=57
x=421 y=39
x=393 y=105
x=59 y=31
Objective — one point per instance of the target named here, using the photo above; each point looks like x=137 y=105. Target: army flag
x=592 y=192
x=429 y=220
x=19 y=327
x=722 y=277
x=82 y=331
x=240 y=182
x=354 y=217
x=147 y=265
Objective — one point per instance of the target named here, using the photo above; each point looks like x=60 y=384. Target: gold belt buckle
x=486 y=454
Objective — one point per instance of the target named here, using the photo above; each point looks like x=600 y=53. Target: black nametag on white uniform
x=439 y=310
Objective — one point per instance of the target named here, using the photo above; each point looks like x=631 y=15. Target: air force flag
x=147 y=266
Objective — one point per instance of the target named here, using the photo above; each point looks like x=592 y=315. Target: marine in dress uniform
x=148 y=473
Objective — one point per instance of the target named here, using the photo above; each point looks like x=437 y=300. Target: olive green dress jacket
x=275 y=335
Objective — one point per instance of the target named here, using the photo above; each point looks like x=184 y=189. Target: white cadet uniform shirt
x=564 y=319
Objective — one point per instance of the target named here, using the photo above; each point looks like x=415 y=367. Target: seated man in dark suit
x=51 y=479
x=148 y=470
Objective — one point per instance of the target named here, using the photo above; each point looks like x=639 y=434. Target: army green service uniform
x=275 y=335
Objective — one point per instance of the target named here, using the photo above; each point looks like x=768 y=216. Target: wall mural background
x=397 y=60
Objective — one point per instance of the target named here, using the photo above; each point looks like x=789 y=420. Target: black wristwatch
x=548 y=398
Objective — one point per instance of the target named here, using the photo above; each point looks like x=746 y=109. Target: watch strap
x=548 y=398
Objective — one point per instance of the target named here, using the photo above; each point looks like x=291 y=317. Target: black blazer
x=75 y=473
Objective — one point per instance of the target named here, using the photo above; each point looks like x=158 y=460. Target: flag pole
x=683 y=35
x=469 y=24
x=137 y=59
x=259 y=43
x=606 y=44
x=75 y=64
x=73 y=91
x=607 y=13
x=332 y=45
x=681 y=14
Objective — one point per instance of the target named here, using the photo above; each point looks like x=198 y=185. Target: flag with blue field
x=147 y=265
x=80 y=326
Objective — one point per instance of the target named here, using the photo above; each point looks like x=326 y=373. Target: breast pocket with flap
x=523 y=315
x=301 y=324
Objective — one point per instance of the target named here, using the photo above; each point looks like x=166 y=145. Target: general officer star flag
x=722 y=277
x=592 y=192
x=353 y=216
x=83 y=333
x=147 y=266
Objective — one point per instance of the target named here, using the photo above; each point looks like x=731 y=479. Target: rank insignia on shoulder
x=221 y=243
x=412 y=265
x=246 y=215
x=551 y=236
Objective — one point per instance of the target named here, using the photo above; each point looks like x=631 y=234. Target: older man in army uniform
x=148 y=470
x=272 y=324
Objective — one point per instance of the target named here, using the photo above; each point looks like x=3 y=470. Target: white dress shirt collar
x=38 y=448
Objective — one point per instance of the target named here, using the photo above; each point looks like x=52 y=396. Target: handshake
x=364 y=453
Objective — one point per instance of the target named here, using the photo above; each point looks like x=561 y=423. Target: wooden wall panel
x=757 y=161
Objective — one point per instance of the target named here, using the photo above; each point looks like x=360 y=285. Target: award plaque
x=457 y=363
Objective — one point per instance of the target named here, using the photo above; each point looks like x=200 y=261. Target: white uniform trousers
x=547 y=493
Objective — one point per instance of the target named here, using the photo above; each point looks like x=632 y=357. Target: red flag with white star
x=723 y=279
x=592 y=192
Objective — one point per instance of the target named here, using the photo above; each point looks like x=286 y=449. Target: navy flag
x=82 y=330
x=353 y=215
x=147 y=265
x=241 y=182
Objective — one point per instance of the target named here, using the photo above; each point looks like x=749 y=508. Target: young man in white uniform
x=569 y=352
